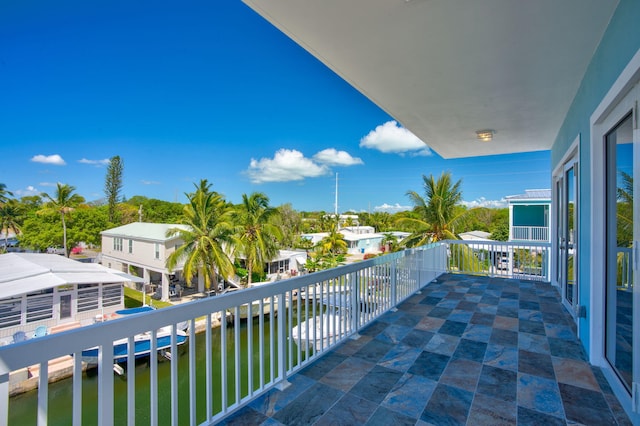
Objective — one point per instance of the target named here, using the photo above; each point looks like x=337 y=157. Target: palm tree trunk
x=249 y=262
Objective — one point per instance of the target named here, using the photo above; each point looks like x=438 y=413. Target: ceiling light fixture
x=485 y=135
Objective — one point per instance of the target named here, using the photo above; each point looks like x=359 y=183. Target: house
x=529 y=215
x=479 y=78
x=360 y=239
x=142 y=249
x=48 y=290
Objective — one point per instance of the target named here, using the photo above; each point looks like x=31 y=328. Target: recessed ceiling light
x=485 y=135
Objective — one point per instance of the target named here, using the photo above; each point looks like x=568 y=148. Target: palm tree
x=436 y=211
x=63 y=202
x=208 y=236
x=4 y=194
x=256 y=234
x=333 y=243
x=9 y=216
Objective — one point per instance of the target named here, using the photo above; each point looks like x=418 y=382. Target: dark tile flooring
x=466 y=351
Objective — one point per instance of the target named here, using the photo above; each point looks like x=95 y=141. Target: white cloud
x=149 y=182
x=333 y=157
x=54 y=159
x=99 y=163
x=51 y=184
x=286 y=165
x=28 y=191
x=389 y=208
x=483 y=202
x=390 y=138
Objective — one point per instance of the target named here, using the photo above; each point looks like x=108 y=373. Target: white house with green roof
x=143 y=248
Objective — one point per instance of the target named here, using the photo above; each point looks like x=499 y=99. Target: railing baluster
x=131 y=381
x=236 y=350
x=43 y=393
x=77 y=389
x=105 y=384
x=153 y=376
x=208 y=366
x=223 y=361
x=192 y=370
x=261 y=341
x=250 y=348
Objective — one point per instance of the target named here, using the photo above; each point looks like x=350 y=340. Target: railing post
x=355 y=305
x=282 y=343
x=4 y=399
x=393 y=283
x=105 y=384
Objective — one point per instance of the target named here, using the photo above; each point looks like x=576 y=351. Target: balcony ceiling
x=445 y=69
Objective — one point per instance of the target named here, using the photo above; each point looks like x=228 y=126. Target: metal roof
x=144 y=231
x=22 y=273
x=532 y=194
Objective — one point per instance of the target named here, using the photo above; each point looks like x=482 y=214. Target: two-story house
x=142 y=249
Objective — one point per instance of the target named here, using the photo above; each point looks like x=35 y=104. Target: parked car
x=503 y=263
x=56 y=250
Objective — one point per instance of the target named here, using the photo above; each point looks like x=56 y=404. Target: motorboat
x=142 y=344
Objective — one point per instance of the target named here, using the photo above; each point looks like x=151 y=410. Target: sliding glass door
x=621 y=331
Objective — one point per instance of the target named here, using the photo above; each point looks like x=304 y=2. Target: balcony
x=530 y=233
x=433 y=333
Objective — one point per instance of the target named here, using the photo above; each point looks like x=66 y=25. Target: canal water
x=23 y=408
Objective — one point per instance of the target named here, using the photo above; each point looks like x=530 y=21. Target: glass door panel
x=619 y=247
x=569 y=237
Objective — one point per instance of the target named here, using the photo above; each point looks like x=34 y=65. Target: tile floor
x=466 y=351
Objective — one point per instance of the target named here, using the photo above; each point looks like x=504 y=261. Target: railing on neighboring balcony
x=624 y=270
x=500 y=259
x=530 y=233
x=222 y=369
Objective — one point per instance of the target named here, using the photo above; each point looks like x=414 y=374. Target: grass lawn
x=133 y=299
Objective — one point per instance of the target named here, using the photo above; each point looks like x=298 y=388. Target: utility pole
x=336 y=203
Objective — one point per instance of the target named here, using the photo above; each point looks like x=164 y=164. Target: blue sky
x=193 y=90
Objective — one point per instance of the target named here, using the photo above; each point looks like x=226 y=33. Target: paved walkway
x=467 y=350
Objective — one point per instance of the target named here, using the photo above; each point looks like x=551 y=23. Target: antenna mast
x=336 y=203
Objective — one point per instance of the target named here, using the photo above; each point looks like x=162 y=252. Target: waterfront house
x=142 y=249
x=51 y=291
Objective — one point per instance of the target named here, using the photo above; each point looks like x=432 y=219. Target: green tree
x=113 y=185
x=9 y=217
x=436 y=211
x=290 y=223
x=334 y=243
x=209 y=233
x=256 y=234
x=389 y=242
x=63 y=202
x=154 y=210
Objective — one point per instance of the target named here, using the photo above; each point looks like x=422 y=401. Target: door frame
x=622 y=97
x=572 y=157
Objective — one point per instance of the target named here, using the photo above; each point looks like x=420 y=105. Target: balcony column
x=201 y=282
x=165 y=287
x=146 y=276
x=510 y=222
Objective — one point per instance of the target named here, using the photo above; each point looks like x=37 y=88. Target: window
x=117 y=244
x=111 y=294
x=157 y=254
x=88 y=297
x=130 y=246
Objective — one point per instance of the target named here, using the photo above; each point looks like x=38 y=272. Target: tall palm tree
x=436 y=211
x=9 y=216
x=207 y=239
x=334 y=243
x=4 y=194
x=63 y=202
x=257 y=235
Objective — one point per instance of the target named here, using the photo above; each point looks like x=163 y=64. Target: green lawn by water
x=133 y=299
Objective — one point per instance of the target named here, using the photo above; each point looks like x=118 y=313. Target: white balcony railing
x=530 y=233
x=221 y=370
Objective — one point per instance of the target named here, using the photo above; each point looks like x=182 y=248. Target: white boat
x=142 y=345
x=320 y=331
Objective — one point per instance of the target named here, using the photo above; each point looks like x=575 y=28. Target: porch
x=465 y=350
